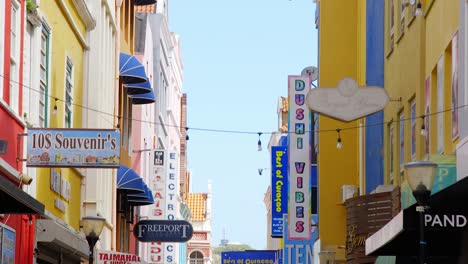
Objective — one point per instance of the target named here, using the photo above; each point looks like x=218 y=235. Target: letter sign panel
x=299 y=157
x=163 y=231
x=279 y=189
x=78 y=148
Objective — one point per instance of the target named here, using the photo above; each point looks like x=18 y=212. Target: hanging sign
x=299 y=159
x=78 y=148
x=347 y=102
x=279 y=191
x=163 y=231
x=113 y=257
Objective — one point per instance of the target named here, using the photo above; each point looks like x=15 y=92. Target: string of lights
x=338 y=130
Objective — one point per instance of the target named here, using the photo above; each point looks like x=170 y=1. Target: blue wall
x=374 y=77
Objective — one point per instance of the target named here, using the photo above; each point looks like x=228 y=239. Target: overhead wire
x=238 y=131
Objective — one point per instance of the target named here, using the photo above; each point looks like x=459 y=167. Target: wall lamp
x=418 y=11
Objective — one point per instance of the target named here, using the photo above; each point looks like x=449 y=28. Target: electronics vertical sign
x=172 y=189
x=279 y=192
x=299 y=159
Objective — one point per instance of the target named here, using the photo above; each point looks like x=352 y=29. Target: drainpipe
x=362 y=187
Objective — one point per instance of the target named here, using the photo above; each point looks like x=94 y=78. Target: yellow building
x=421 y=53
x=60 y=74
x=341 y=55
x=418 y=72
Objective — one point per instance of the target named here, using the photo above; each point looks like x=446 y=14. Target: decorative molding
x=34 y=17
x=73 y=25
x=85 y=14
x=109 y=12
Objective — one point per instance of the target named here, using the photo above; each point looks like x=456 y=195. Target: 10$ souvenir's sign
x=79 y=148
x=163 y=231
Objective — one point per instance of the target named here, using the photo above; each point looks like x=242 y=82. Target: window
x=427 y=111
x=401 y=137
x=68 y=93
x=14 y=56
x=391 y=23
x=440 y=105
x=413 y=129
x=163 y=96
x=44 y=76
x=196 y=257
x=402 y=16
x=391 y=152
x=127 y=121
x=125 y=118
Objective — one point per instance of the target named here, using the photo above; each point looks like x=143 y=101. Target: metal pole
x=91 y=242
x=422 y=242
x=91 y=255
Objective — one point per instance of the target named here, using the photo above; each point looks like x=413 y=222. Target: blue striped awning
x=138 y=88
x=129 y=181
x=147 y=98
x=131 y=70
x=141 y=198
x=144 y=2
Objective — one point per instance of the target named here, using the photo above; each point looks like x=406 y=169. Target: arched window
x=196 y=257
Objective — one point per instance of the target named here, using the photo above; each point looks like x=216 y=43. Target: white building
x=162 y=131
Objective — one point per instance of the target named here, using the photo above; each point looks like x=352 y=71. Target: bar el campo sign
x=79 y=148
x=163 y=231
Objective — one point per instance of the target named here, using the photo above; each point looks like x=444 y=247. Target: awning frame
x=25 y=204
x=400 y=237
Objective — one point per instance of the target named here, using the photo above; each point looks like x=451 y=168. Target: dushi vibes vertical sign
x=299 y=159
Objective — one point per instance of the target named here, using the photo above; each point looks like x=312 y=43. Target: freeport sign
x=163 y=231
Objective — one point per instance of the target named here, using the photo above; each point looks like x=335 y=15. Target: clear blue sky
x=237 y=56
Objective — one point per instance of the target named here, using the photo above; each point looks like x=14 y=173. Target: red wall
x=9 y=130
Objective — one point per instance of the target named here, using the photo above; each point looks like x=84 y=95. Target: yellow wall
x=64 y=42
x=341 y=54
x=403 y=81
x=127 y=29
x=440 y=29
x=411 y=57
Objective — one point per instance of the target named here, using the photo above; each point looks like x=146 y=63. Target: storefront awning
x=144 y=2
x=59 y=238
x=141 y=199
x=147 y=98
x=131 y=70
x=139 y=88
x=129 y=181
x=446 y=227
x=16 y=201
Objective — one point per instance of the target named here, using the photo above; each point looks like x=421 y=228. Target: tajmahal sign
x=79 y=148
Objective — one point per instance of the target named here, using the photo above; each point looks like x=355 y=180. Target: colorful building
x=19 y=209
x=199 y=247
x=422 y=77
x=338 y=23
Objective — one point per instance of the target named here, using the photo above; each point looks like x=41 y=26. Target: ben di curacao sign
x=79 y=148
x=163 y=231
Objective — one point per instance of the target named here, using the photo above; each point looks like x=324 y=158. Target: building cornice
x=85 y=14
x=73 y=25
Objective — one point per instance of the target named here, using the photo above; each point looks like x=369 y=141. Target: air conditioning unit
x=348 y=191
x=384 y=188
